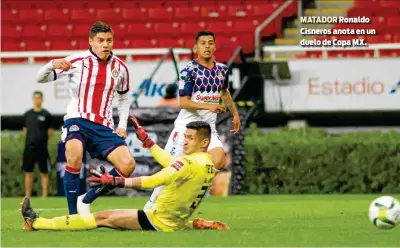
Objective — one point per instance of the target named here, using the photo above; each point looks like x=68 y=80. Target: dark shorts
x=36 y=154
x=97 y=139
x=144 y=221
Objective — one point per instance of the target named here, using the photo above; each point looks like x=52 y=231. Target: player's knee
x=74 y=153
x=102 y=219
x=75 y=161
x=127 y=165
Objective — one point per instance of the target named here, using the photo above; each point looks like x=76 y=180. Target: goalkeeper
x=186 y=181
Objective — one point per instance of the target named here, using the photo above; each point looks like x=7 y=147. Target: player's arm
x=53 y=70
x=176 y=171
x=124 y=103
x=162 y=157
x=159 y=154
x=228 y=101
x=185 y=94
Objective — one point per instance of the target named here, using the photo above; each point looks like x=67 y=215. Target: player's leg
x=112 y=147
x=44 y=167
x=27 y=167
x=174 y=147
x=74 y=154
x=116 y=219
x=216 y=149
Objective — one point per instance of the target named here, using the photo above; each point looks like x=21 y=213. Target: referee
x=38 y=128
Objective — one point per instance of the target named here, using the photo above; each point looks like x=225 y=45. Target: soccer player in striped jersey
x=95 y=77
x=186 y=181
x=203 y=83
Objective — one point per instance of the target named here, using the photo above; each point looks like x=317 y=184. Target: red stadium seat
x=57 y=15
x=238 y=11
x=171 y=28
x=386 y=11
x=71 y=5
x=60 y=30
x=109 y=15
x=161 y=13
x=81 y=30
x=220 y=27
x=38 y=45
x=359 y=11
x=143 y=43
x=11 y=45
x=264 y=10
x=34 y=31
x=62 y=44
x=374 y=39
x=171 y=43
x=134 y=14
x=11 y=31
x=31 y=15
x=139 y=29
x=389 y=3
x=83 y=15
x=192 y=27
x=393 y=21
x=100 y=4
x=83 y=44
x=245 y=26
x=186 y=13
x=219 y=12
x=45 y=5
x=21 y=5
x=10 y=16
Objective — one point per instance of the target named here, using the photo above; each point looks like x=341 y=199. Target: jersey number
x=199 y=197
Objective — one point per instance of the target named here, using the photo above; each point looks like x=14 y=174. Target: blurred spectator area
x=64 y=25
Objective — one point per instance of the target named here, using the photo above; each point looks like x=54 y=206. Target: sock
x=71 y=187
x=93 y=193
x=67 y=222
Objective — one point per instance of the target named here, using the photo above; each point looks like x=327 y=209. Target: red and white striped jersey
x=92 y=84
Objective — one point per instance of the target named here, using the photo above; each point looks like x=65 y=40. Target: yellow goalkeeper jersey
x=186 y=181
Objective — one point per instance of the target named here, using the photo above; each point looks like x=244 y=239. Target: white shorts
x=175 y=142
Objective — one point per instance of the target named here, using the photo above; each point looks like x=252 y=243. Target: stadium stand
x=64 y=25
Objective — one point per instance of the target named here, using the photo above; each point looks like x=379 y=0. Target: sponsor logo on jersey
x=214 y=99
x=177 y=165
x=73 y=128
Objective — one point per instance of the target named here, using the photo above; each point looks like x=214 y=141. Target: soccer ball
x=384 y=212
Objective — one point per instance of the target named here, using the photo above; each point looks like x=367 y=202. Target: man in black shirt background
x=38 y=128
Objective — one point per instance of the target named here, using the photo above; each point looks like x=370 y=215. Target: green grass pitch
x=269 y=220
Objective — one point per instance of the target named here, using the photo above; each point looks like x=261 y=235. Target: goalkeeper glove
x=103 y=178
x=141 y=134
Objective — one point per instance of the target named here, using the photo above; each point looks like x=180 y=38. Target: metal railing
x=266 y=22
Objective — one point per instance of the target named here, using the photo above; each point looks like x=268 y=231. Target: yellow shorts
x=159 y=224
